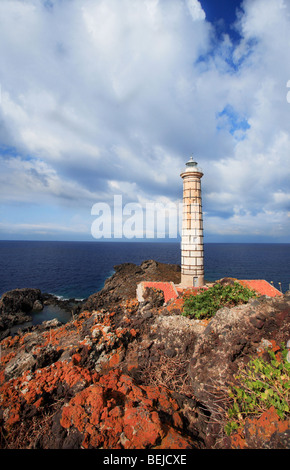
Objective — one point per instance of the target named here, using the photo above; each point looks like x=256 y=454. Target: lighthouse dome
x=191 y=165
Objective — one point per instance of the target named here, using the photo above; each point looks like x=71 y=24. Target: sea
x=79 y=269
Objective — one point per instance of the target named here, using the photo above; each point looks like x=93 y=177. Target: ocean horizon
x=77 y=269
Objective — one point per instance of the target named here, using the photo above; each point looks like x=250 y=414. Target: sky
x=105 y=98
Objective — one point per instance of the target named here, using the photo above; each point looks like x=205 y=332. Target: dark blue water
x=78 y=269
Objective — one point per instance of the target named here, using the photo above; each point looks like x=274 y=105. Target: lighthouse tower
x=192 y=267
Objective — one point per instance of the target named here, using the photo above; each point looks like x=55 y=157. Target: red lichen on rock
x=178 y=303
x=116 y=413
x=33 y=388
x=265 y=345
x=76 y=358
x=258 y=431
x=174 y=440
x=115 y=358
x=130 y=306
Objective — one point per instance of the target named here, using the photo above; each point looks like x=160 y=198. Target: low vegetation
x=208 y=302
x=259 y=385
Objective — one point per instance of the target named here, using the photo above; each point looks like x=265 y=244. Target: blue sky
x=223 y=14
x=111 y=97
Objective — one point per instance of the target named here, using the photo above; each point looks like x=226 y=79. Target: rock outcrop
x=17 y=306
x=78 y=382
x=124 y=374
x=229 y=340
x=122 y=285
x=19 y=301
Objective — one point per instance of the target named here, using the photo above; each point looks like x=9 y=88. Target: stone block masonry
x=192 y=264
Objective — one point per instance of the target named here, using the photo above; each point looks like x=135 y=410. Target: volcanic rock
x=122 y=285
x=124 y=374
x=229 y=340
x=19 y=301
x=15 y=307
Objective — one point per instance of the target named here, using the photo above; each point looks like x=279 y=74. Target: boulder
x=153 y=297
x=37 y=305
x=19 y=301
x=16 y=306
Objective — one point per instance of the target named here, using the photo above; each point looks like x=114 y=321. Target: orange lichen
x=270 y=344
x=31 y=388
x=58 y=337
x=259 y=430
x=76 y=358
x=184 y=293
x=116 y=413
x=115 y=359
x=130 y=306
x=177 y=421
x=141 y=427
x=174 y=440
x=175 y=304
x=2 y=377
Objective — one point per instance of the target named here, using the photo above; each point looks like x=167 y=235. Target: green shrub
x=259 y=385
x=208 y=302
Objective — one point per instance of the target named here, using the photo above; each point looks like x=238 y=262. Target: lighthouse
x=192 y=264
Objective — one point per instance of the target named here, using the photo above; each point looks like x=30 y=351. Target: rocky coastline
x=129 y=374
x=17 y=307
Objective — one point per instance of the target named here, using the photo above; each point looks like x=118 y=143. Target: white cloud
x=41 y=228
x=114 y=95
x=263 y=224
x=35 y=181
x=196 y=10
